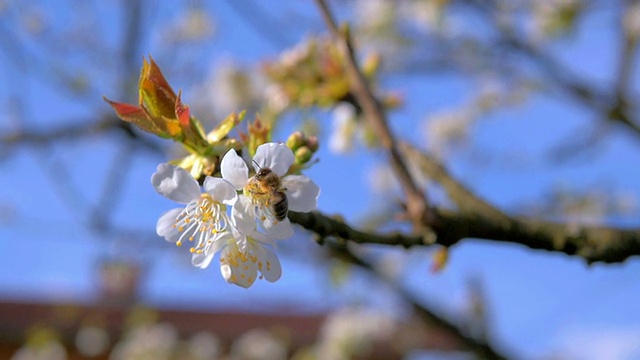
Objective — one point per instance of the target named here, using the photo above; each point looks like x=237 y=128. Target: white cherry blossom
x=244 y=255
x=302 y=193
x=204 y=219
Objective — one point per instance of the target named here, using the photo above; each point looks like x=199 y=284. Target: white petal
x=302 y=193
x=244 y=274
x=223 y=254
x=271 y=269
x=278 y=229
x=201 y=261
x=263 y=239
x=243 y=215
x=219 y=241
x=344 y=125
x=234 y=169
x=165 y=225
x=277 y=157
x=220 y=190
x=175 y=183
x=265 y=263
x=225 y=270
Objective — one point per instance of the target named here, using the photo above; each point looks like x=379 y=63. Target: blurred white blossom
x=351 y=332
x=448 y=129
x=631 y=20
x=276 y=99
x=92 y=341
x=157 y=341
x=428 y=15
x=194 y=24
x=204 y=346
x=292 y=56
x=258 y=344
x=50 y=350
x=375 y=16
x=227 y=88
x=552 y=17
x=381 y=179
x=345 y=125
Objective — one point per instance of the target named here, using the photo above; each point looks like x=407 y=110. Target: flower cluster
x=236 y=215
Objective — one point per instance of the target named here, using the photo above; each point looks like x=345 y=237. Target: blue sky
x=540 y=303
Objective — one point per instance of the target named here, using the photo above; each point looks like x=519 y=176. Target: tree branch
x=325 y=226
x=592 y=243
x=79 y=130
x=417 y=208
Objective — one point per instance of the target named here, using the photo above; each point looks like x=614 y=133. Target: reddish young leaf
x=155 y=94
x=134 y=115
x=182 y=113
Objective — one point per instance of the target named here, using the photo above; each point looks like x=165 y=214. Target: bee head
x=262 y=172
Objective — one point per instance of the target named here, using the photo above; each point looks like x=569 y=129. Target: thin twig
x=416 y=199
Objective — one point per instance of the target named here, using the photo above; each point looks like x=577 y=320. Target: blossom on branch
x=243 y=254
x=260 y=197
x=204 y=219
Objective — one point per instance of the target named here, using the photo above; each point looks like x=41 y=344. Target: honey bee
x=265 y=187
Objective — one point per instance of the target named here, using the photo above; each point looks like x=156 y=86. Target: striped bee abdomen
x=281 y=207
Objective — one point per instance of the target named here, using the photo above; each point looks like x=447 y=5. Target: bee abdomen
x=281 y=208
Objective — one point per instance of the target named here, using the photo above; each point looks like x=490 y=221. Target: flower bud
x=312 y=143
x=303 y=155
x=296 y=140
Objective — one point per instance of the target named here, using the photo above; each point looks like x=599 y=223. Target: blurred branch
x=592 y=243
x=481 y=348
x=586 y=140
x=79 y=130
x=417 y=207
x=629 y=44
x=613 y=106
x=463 y=197
x=112 y=189
x=133 y=27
